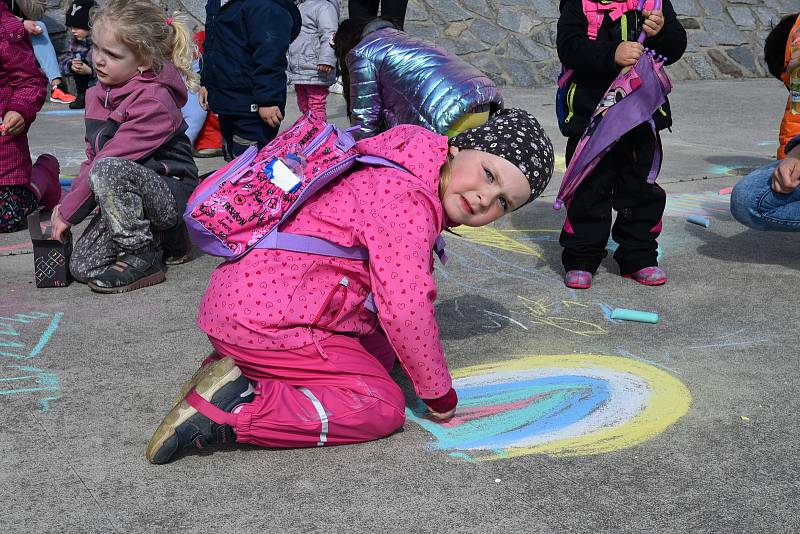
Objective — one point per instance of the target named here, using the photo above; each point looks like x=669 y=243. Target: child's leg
x=330 y=393
x=756 y=205
x=133 y=202
x=240 y=132
x=586 y=228
x=16 y=203
x=317 y=98
x=301 y=91
x=335 y=393
x=45 y=53
x=93 y=252
x=639 y=205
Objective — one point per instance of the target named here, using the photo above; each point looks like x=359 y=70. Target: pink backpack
x=241 y=206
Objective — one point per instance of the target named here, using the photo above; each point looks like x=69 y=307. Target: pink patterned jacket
x=23 y=89
x=271 y=300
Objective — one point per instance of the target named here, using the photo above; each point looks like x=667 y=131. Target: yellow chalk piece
x=560 y=163
x=745 y=418
x=492 y=237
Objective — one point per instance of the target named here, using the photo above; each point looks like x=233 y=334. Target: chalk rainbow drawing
x=561 y=405
x=496 y=238
x=707 y=203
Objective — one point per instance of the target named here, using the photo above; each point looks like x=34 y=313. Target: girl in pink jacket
x=23 y=88
x=300 y=360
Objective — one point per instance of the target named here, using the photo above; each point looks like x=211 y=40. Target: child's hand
x=202 y=96
x=653 y=22
x=61 y=228
x=324 y=69
x=786 y=177
x=79 y=67
x=32 y=28
x=13 y=124
x=442 y=416
x=628 y=53
x=271 y=115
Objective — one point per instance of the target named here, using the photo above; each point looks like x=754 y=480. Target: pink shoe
x=649 y=276
x=578 y=279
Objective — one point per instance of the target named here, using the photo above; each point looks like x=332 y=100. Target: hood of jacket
x=111 y=96
x=419 y=150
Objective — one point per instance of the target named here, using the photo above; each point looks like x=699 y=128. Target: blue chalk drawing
x=28 y=379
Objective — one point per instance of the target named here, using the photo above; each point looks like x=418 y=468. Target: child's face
x=482 y=188
x=79 y=33
x=114 y=62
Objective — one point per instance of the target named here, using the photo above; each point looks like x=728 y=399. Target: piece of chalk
x=634 y=315
x=726 y=191
x=697 y=219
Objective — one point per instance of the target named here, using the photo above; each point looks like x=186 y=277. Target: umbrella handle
x=640 y=7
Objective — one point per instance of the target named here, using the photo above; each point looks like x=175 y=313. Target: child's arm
x=670 y=40
x=149 y=125
x=575 y=49
x=269 y=51
x=327 y=24
x=365 y=95
x=401 y=274
x=28 y=84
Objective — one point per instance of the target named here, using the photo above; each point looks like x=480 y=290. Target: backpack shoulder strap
x=594 y=17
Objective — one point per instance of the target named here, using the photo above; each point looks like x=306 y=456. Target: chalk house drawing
x=561 y=405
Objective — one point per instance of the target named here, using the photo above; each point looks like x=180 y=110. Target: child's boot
x=203 y=418
x=649 y=276
x=44 y=181
x=578 y=279
x=132 y=270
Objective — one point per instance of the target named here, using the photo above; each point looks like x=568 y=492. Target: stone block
x=455 y=29
x=423 y=31
x=767 y=16
x=416 y=13
x=685 y=7
x=481 y=7
x=532 y=50
x=487 y=64
x=544 y=8
x=744 y=57
x=724 y=33
x=724 y=64
x=488 y=33
x=742 y=16
x=697 y=39
x=514 y=20
x=713 y=8
x=702 y=66
x=467 y=44
x=519 y=72
x=689 y=23
x=449 y=10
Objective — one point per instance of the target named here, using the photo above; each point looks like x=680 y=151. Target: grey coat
x=314 y=45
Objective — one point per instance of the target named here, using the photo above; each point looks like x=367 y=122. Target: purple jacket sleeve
x=365 y=95
x=149 y=124
x=28 y=84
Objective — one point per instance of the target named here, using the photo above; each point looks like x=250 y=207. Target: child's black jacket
x=244 y=63
x=593 y=61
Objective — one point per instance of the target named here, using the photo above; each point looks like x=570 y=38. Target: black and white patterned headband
x=514 y=135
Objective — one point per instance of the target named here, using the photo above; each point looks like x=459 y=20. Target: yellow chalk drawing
x=560 y=163
x=560 y=405
x=495 y=238
x=541 y=311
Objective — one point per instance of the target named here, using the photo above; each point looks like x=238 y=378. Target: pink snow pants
x=335 y=392
x=312 y=97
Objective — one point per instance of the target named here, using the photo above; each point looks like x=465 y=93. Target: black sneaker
x=132 y=270
x=78 y=103
x=185 y=430
x=176 y=244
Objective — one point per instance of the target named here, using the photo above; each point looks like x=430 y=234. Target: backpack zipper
x=570 y=99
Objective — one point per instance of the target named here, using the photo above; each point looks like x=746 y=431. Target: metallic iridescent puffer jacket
x=396 y=78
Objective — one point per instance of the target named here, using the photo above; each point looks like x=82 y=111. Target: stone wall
x=513 y=41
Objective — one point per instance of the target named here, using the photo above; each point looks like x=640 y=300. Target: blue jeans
x=755 y=204
x=45 y=53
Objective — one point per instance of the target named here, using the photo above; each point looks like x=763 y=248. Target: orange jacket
x=790 y=124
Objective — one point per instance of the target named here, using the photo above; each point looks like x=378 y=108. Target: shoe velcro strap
x=134 y=262
x=217 y=415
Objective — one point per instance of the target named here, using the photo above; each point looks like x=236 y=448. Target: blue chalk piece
x=699 y=220
x=634 y=315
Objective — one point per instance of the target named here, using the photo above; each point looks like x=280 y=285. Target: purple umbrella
x=634 y=95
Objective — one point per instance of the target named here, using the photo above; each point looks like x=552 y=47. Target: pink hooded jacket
x=271 y=300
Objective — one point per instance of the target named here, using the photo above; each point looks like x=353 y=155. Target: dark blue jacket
x=244 y=63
